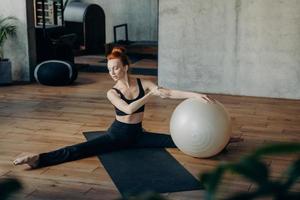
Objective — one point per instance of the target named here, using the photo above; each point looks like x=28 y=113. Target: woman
x=129 y=96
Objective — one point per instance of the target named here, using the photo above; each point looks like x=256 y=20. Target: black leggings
x=119 y=136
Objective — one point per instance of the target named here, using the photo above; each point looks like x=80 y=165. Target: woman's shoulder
x=148 y=84
x=113 y=94
x=113 y=91
x=145 y=81
x=114 y=87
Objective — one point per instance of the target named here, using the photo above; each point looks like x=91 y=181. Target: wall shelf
x=48 y=13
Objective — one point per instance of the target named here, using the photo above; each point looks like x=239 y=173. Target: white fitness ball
x=200 y=129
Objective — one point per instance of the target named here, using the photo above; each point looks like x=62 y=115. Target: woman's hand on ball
x=155 y=91
x=160 y=92
x=163 y=93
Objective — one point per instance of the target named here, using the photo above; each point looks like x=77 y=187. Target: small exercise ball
x=55 y=73
x=200 y=129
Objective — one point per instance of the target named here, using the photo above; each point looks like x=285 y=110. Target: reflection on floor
x=144 y=65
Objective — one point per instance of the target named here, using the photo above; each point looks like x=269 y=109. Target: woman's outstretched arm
x=115 y=99
x=179 y=94
x=176 y=94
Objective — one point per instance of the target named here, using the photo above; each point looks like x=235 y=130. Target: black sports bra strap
x=118 y=91
x=140 y=84
x=141 y=94
x=141 y=91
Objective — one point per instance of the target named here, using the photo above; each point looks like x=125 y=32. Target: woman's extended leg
x=103 y=143
x=154 y=140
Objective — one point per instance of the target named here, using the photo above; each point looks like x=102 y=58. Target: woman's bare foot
x=29 y=159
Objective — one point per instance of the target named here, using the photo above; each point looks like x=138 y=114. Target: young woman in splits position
x=129 y=96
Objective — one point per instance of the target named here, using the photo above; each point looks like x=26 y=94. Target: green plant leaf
x=7 y=28
x=252 y=169
x=281 y=148
x=255 y=170
x=9 y=186
x=5 y=19
x=147 y=196
x=5 y=31
x=211 y=180
x=293 y=196
x=293 y=174
x=243 y=196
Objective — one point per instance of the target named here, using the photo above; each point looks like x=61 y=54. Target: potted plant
x=7 y=29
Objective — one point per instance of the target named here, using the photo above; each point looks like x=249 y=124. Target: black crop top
x=141 y=94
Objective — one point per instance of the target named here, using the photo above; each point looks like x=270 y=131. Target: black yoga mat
x=139 y=170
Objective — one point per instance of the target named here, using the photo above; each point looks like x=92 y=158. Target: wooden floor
x=36 y=118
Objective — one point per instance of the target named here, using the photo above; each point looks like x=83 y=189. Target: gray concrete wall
x=242 y=47
x=140 y=15
x=17 y=49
